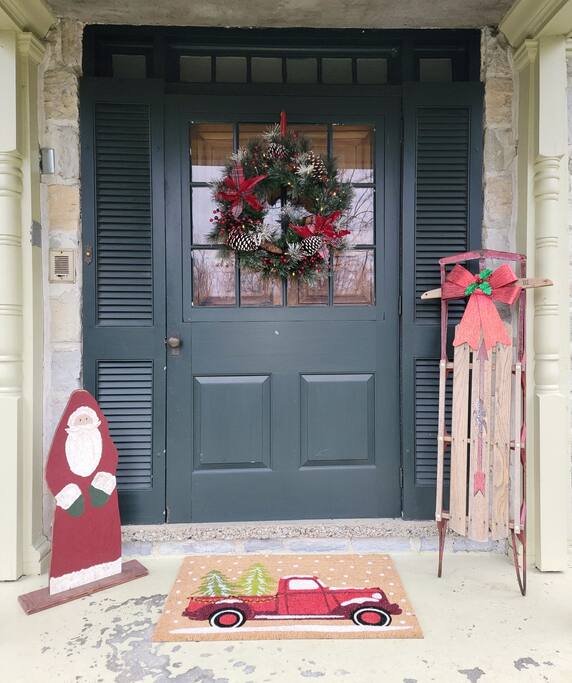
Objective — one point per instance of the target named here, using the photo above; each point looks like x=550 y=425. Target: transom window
x=217 y=278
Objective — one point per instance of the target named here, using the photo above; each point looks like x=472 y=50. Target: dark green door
x=282 y=402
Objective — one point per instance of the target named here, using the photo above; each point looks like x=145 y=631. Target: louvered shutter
x=442 y=209
x=123 y=305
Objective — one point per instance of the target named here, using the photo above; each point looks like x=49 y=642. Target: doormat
x=271 y=597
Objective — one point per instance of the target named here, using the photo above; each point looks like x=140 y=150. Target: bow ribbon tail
x=481 y=317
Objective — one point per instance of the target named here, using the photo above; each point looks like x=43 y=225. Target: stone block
x=65 y=315
x=498 y=102
x=215 y=547
x=500 y=150
x=61 y=94
x=497 y=56
x=65 y=370
x=381 y=545
x=64 y=208
x=317 y=545
x=71 y=34
x=431 y=544
x=263 y=545
x=498 y=239
x=498 y=198
x=64 y=139
x=462 y=544
x=131 y=548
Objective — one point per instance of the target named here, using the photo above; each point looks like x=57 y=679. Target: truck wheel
x=371 y=616
x=227 y=618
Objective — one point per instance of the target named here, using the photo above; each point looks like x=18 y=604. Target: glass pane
x=129 y=66
x=266 y=69
x=300 y=294
x=318 y=135
x=353 y=151
x=211 y=145
x=302 y=70
x=202 y=206
x=194 y=69
x=435 y=70
x=248 y=131
x=213 y=278
x=360 y=218
x=231 y=69
x=372 y=71
x=337 y=70
x=353 y=277
x=258 y=291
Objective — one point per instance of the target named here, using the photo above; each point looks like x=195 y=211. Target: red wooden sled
x=487 y=437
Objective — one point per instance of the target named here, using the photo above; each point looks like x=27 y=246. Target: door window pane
x=249 y=131
x=301 y=294
x=203 y=205
x=360 y=218
x=317 y=133
x=353 y=277
x=258 y=291
x=211 y=146
x=231 y=69
x=195 y=69
x=213 y=278
x=129 y=66
x=337 y=70
x=372 y=71
x=435 y=70
x=266 y=69
x=302 y=70
x=353 y=151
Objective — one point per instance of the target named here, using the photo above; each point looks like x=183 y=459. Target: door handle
x=173 y=342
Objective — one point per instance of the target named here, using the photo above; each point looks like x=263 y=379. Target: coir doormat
x=249 y=597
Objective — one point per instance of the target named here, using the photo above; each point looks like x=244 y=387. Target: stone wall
x=499 y=174
x=569 y=94
x=61 y=216
x=61 y=220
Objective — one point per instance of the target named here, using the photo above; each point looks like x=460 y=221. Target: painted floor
x=477 y=628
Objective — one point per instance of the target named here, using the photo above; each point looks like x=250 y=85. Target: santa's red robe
x=86 y=540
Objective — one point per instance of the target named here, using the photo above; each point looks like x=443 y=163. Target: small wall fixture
x=47 y=160
x=62 y=265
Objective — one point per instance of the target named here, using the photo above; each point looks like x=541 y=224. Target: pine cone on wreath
x=244 y=241
x=310 y=245
x=320 y=172
x=276 y=150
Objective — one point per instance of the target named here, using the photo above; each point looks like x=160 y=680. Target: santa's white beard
x=83 y=449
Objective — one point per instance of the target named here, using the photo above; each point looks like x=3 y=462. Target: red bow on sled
x=239 y=191
x=322 y=226
x=481 y=318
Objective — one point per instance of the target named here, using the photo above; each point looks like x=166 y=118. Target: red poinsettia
x=238 y=190
x=322 y=226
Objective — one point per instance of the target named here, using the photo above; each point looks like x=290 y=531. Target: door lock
x=173 y=342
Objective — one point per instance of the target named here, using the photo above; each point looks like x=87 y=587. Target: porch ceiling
x=293 y=13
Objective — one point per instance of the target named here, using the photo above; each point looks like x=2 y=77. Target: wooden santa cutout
x=86 y=540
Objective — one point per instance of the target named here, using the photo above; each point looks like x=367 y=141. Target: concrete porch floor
x=477 y=628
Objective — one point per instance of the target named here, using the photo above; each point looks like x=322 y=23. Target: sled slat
x=441 y=440
x=459 y=439
x=500 y=448
x=480 y=414
x=516 y=468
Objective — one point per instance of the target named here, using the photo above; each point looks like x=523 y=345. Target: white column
x=10 y=316
x=551 y=327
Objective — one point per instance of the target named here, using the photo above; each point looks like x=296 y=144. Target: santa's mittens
x=71 y=500
x=101 y=488
x=98 y=497
x=77 y=508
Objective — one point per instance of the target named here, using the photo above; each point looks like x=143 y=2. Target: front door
x=282 y=401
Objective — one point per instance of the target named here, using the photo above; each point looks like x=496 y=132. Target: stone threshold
x=343 y=536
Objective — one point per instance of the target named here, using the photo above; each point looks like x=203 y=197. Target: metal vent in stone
x=62 y=265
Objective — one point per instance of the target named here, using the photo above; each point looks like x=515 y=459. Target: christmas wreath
x=280 y=166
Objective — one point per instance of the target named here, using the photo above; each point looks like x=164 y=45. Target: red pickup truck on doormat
x=298 y=597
